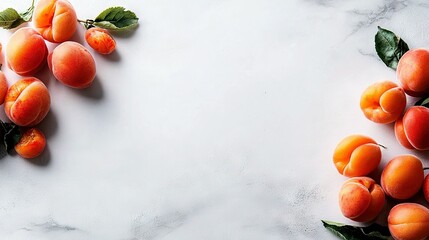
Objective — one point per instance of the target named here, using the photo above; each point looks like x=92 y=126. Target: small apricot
x=27 y=102
x=3 y=87
x=26 y=51
x=383 y=102
x=413 y=73
x=72 y=64
x=415 y=127
x=426 y=188
x=408 y=221
x=100 y=40
x=356 y=155
x=31 y=144
x=402 y=177
x=55 y=20
x=400 y=134
x=361 y=199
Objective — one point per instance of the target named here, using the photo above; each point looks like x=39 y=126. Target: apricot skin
x=72 y=64
x=400 y=134
x=356 y=155
x=413 y=73
x=55 y=20
x=426 y=188
x=416 y=128
x=31 y=144
x=361 y=199
x=383 y=102
x=3 y=87
x=27 y=102
x=26 y=51
x=409 y=221
x=402 y=177
x=100 y=40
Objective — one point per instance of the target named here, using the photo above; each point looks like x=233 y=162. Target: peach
x=3 y=87
x=31 y=144
x=356 y=155
x=55 y=20
x=383 y=102
x=408 y=221
x=100 y=40
x=413 y=73
x=26 y=51
x=27 y=102
x=413 y=128
x=402 y=177
x=72 y=64
x=361 y=199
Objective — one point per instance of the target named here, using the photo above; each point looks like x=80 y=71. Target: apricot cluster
x=27 y=101
x=361 y=198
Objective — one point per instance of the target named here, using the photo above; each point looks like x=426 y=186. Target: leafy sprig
x=113 y=18
x=10 y=18
x=390 y=47
x=348 y=232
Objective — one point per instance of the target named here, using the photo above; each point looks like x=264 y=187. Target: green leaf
x=11 y=134
x=10 y=18
x=116 y=18
x=423 y=102
x=348 y=232
x=390 y=47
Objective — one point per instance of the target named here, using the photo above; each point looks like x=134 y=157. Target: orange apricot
x=26 y=51
x=72 y=64
x=426 y=188
x=415 y=128
x=3 y=87
x=100 y=40
x=361 y=199
x=408 y=221
x=55 y=20
x=356 y=155
x=402 y=177
x=31 y=144
x=400 y=134
x=27 y=102
x=413 y=73
x=383 y=102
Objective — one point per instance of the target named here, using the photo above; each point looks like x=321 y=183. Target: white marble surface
x=215 y=119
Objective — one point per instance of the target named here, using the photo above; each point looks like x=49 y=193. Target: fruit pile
x=362 y=198
x=27 y=101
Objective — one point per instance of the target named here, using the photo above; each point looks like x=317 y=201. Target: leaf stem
x=381 y=146
x=426 y=168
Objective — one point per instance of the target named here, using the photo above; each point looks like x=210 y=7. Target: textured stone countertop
x=214 y=119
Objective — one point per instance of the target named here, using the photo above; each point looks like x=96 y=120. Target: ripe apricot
x=356 y=155
x=400 y=134
x=27 y=102
x=383 y=102
x=3 y=87
x=361 y=199
x=408 y=221
x=72 y=64
x=414 y=128
x=26 y=51
x=100 y=40
x=413 y=73
x=426 y=188
x=55 y=20
x=31 y=144
x=402 y=177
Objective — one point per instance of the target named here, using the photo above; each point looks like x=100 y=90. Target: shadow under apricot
x=94 y=92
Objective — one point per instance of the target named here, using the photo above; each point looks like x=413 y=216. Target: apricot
x=3 y=87
x=361 y=199
x=413 y=73
x=357 y=155
x=26 y=51
x=426 y=188
x=413 y=128
x=72 y=64
x=55 y=20
x=100 y=40
x=31 y=144
x=402 y=177
x=27 y=102
x=408 y=221
x=383 y=102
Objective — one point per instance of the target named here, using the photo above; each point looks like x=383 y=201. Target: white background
x=214 y=119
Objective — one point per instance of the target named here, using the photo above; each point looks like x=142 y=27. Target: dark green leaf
x=10 y=18
x=423 y=102
x=116 y=18
x=389 y=47
x=11 y=135
x=348 y=232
